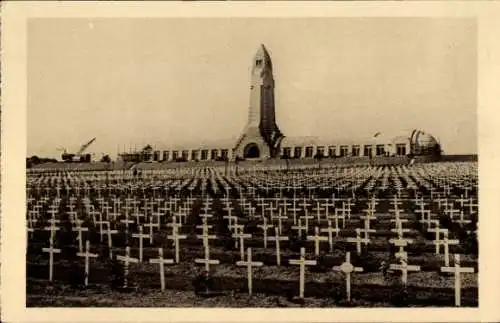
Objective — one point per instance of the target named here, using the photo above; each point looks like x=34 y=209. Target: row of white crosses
x=150 y=214
x=467 y=207
x=268 y=207
x=277 y=217
x=344 y=175
x=140 y=235
x=347 y=268
x=105 y=209
x=353 y=177
x=358 y=240
x=316 y=238
x=78 y=228
x=434 y=227
x=127 y=259
x=241 y=236
x=306 y=219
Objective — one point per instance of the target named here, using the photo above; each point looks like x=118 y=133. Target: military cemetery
x=380 y=235
x=270 y=221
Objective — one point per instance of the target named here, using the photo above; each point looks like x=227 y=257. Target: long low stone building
x=415 y=143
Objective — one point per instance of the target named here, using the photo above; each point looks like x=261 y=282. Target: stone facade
x=261 y=137
x=261 y=134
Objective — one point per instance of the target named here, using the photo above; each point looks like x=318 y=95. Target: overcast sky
x=182 y=80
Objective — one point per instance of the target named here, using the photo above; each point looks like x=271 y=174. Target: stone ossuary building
x=261 y=138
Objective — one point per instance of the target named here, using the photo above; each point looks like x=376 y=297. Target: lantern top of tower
x=262 y=57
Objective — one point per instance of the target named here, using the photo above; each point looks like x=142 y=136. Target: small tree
x=33 y=160
x=319 y=157
x=106 y=159
x=286 y=158
x=438 y=151
x=226 y=164
x=237 y=160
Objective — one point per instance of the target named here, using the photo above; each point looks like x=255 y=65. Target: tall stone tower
x=261 y=135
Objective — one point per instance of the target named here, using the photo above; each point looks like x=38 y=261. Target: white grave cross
x=347 y=268
x=264 y=228
x=127 y=260
x=176 y=237
x=302 y=262
x=51 y=252
x=404 y=268
x=249 y=263
x=457 y=270
x=277 y=238
x=87 y=254
x=358 y=240
x=317 y=239
x=140 y=236
x=161 y=262
x=330 y=230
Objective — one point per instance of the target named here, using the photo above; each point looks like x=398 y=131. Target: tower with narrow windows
x=261 y=135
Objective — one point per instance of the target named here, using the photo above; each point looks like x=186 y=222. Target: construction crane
x=79 y=156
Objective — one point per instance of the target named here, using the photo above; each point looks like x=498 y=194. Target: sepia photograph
x=250 y=162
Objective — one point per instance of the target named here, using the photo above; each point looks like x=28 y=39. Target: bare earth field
x=64 y=296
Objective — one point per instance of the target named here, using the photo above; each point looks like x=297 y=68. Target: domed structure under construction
x=422 y=143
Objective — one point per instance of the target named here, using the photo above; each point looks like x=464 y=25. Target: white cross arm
x=238 y=235
x=51 y=228
x=405 y=267
x=140 y=235
x=178 y=236
x=123 y=258
x=358 y=240
x=347 y=268
x=209 y=261
x=282 y=238
x=200 y=236
x=51 y=250
x=400 y=241
x=246 y=263
x=460 y=269
x=305 y=262
x=159 y=261
x=86 y=254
